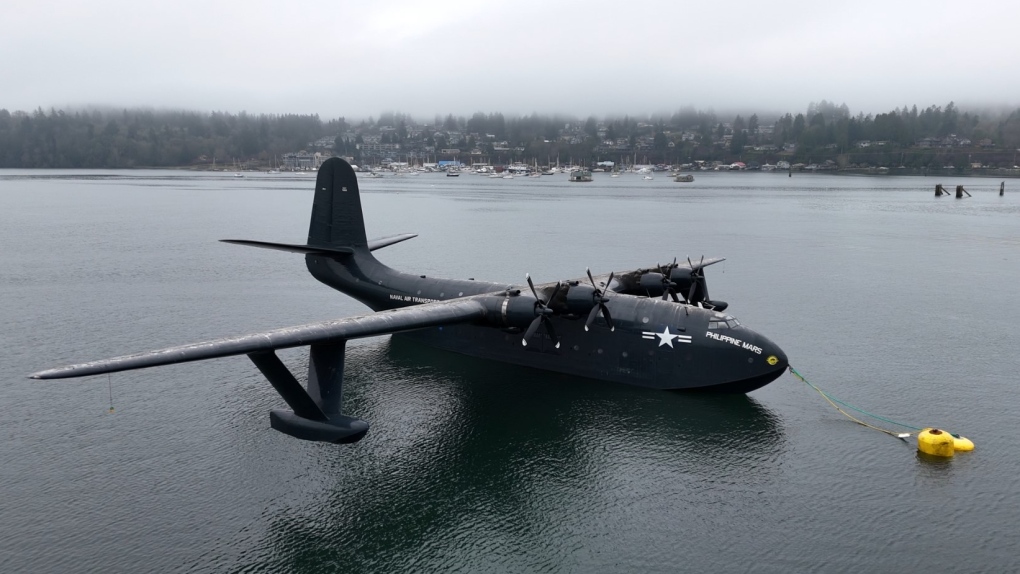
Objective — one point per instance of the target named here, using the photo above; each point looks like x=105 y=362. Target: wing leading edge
x=370 y=325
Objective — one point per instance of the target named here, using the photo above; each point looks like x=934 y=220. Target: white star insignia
x=665 y=338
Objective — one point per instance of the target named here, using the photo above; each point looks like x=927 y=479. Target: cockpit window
x=722 y=322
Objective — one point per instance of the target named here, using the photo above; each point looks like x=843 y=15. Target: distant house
x=302 y=160
x=323 y=143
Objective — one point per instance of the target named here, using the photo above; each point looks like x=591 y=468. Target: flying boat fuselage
x=654 y=343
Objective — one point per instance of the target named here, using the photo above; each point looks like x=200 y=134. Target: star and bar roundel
x=665 y=337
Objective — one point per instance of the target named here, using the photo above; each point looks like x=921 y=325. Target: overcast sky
x=358 y=59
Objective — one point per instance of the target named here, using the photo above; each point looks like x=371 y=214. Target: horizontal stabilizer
x=384 y=322
x=329 y=251
x=308 y=249
x=381 y=242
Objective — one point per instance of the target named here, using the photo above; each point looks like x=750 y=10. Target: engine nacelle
x=580 y=299
x=652 y=284
x=684 y=280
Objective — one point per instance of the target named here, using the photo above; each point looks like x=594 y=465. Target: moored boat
x=580 y=175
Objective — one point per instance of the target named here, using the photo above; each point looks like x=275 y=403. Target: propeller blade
x=532 y=285
x=555 y=291
x=591 y=316
x=531 y=329
x=609 y=318
x=549 y=329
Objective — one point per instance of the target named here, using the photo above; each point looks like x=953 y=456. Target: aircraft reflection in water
x=577 y=447
x=630 y=327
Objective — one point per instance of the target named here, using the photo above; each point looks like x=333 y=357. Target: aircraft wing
x=373 y=324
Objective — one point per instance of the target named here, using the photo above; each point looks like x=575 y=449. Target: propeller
x=697 y=294
x=542 y=314
x=668 y=286
x=697 y=277
x=600 y=300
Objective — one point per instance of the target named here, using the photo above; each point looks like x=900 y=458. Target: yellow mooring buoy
x=936 y=442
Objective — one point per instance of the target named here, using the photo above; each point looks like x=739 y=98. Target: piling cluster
x=960 y=191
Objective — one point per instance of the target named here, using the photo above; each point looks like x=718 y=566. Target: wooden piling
x=1002 y=189
x=938 y=190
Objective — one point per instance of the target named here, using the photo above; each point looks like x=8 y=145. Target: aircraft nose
x=774 y=356
x=752 y=359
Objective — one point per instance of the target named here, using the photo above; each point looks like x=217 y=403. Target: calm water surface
x=881 y=294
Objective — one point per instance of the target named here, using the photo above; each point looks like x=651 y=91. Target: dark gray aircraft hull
x=626 y=354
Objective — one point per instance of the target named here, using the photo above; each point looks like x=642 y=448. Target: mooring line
x=833 y=400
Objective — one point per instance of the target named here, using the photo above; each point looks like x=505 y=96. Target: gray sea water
x=881 y=294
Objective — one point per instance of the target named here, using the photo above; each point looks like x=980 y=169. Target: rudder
x=337 y=219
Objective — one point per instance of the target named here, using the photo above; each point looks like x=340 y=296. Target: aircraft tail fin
x=337 y=219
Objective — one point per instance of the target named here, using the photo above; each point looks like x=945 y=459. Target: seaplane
x=652 y=327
